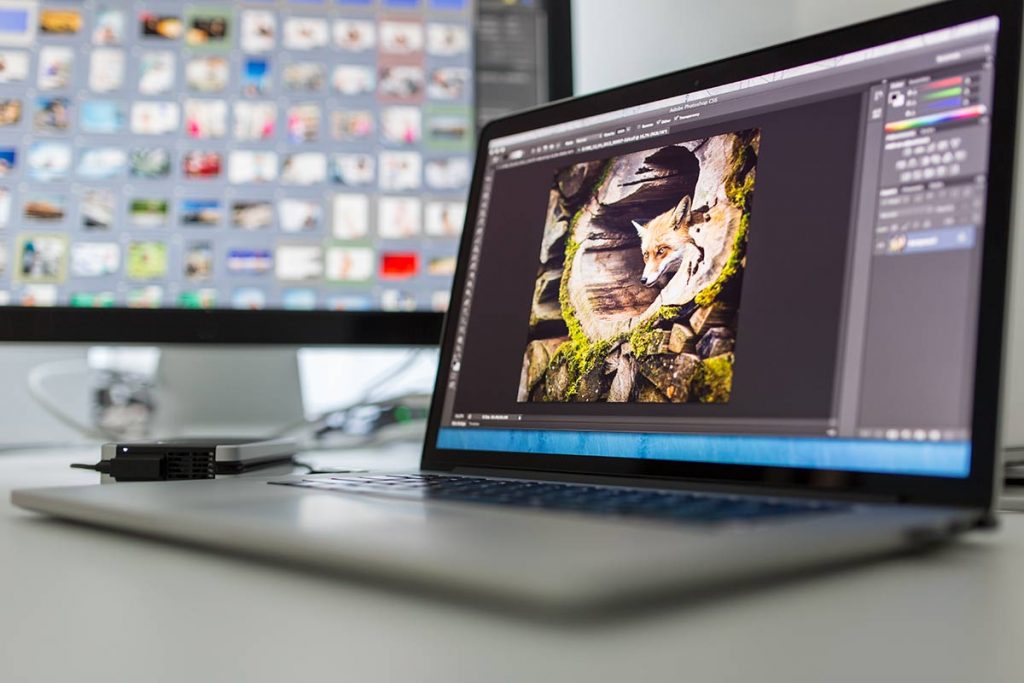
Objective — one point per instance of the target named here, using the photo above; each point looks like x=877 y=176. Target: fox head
x=665 y=239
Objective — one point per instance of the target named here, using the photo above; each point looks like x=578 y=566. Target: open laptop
x=734 y=321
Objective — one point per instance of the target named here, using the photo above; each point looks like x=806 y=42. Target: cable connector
x=155 y=466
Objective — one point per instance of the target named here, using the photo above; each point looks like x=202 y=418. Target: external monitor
x=288 y=172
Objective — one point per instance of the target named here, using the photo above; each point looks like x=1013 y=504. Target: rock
x=535 y=363
x=591 y=386
x=678 y=337
x=552 y=245
x=604 y=285
x=557 y=210
x=702 y=316
x=546 y=313
x=648 y=393
x=545 y=297
x=652 y=343
x=608 y=240
x=556 y=383
x=645 y=184
x=715 y=342
x=713 y=384
x=671 y=374
x=573 y=180
x=693 y=145
x=621 y=389
x=556 y=226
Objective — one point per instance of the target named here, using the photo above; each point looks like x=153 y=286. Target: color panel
x=945 y=92
x=944 y=83
x=944 y=104
x=964 y=114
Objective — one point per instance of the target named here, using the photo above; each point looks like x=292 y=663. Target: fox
x=666 y=238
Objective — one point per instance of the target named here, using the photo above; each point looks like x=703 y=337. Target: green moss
x=713 y=381
x=580 y=355
x=707 y=296
x=644 y=339
x=605 y=174
x=568 y=313
x=644 y=342
x=739 y=187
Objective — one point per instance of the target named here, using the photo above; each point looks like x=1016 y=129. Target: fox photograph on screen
x=639 y=275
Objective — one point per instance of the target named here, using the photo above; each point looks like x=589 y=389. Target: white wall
x=616 y=42
x=22 y=421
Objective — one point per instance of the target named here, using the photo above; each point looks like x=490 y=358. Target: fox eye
x=661 y=251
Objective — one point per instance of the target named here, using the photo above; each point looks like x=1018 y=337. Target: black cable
x=103 y=466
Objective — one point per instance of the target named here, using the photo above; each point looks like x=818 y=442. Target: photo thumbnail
x=245 y=167
x=353 y=79
x=255 y=120
x=304 y=33
x=160 y=26
x=208 y=28
x=401 y=37
x=42 y=258
x=259 y=31
x=44 y=207
x=304 y=76
x=208 y=74
x=299 y=215
x=202 y=213
x=102 y=116
x=252 y=214
x=95 y=259
x=151 y=163
x=109 y=27
x=157 y=72
x=98 y=209
x=354 y=35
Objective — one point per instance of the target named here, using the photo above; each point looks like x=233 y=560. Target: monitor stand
x=238 y=391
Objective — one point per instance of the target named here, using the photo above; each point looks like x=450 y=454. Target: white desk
x=85 y=604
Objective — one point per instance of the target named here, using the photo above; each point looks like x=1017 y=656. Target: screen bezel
x=977 y=490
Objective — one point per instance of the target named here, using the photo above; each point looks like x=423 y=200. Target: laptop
x=731 y=323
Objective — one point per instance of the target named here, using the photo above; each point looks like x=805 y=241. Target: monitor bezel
x=977 y=490
x=560 y=61
x=320 y=327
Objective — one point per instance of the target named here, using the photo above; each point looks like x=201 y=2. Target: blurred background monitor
x=524 y=55
x=276 y=172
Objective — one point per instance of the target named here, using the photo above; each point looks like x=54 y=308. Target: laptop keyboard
x=679 y=506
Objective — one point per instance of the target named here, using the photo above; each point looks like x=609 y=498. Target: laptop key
x=676 y=506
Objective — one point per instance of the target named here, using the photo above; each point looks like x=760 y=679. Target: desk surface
x=84 y=604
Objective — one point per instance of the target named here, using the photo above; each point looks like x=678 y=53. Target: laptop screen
x=782 y=271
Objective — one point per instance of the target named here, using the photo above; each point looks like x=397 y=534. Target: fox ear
x=640 y=230
x=682 y=212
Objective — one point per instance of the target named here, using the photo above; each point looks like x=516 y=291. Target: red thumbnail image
x=198 y=164
x=401 y=264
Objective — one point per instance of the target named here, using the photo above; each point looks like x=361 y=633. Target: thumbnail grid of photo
x=297 y=154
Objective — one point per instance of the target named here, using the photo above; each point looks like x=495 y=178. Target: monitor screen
x=782 y=271
x=280 y=154
x=523 y=55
